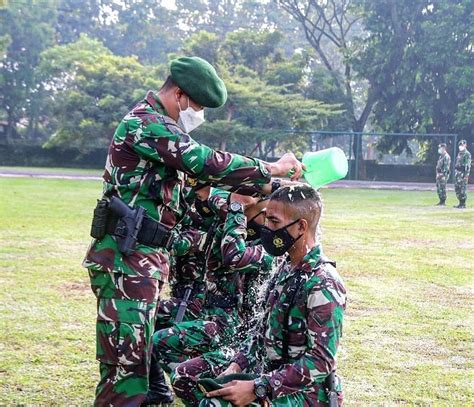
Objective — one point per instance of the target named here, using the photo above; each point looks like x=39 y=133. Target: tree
x=332 y=27
x=25 y=32
x=91 y=90
x=257 y=110
x=432 y=91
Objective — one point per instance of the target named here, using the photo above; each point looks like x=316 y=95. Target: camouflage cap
x=462 y=143
x=199 y=80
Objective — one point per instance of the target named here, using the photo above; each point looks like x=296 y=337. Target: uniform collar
x=154 y=101
x=310 y=260
x=305 y=266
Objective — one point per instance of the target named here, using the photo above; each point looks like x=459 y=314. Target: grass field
x=408 y=266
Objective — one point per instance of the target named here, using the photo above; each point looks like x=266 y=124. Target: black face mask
x=253 y=228
x=202 y=208
x=277 y=242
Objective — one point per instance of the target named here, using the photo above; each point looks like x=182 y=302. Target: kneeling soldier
x=291 y=355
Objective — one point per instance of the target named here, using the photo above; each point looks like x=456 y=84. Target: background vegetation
x=69 y=69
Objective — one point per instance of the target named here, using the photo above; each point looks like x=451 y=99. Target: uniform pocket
x=121 y=331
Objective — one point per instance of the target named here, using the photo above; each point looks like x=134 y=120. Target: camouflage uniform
x=253 y=277
x=228 y=261
x=461 y=175
x=314 y=328
x=188 y=269
x=147 y=159
x=442 y=175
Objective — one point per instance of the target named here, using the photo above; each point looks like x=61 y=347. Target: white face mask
x=189 y=119
x=462 y=148
x=440 y=151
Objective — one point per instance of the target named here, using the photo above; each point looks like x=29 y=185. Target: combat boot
x=462 y=205
x=159 y=393
x=441 y=203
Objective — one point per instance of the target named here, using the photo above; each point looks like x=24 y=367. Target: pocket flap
x=128 y=311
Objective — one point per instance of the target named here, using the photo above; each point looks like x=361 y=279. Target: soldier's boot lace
x=159 y=393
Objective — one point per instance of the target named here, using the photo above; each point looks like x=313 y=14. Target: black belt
x=152 y=233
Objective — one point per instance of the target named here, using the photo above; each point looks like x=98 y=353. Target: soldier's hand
x=238 y=392
x=245 y=200
x=287 y=165
x=231 y=369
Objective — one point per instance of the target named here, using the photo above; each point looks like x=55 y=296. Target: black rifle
x=183 y=305
x=331 y=389
x=128 y=225
x=202 y=257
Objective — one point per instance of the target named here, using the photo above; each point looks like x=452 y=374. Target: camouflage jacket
x=231 y=257
x=443 y=165
x=146 y=164
x=188 y=260
x=463 y=163
x=315 y=326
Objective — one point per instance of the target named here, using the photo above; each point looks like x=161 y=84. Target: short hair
x=462 y=143
x=442 y=145
x=304 y=200
x=168 y=84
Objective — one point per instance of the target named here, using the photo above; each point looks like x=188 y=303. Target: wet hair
x=168 y=84
x=303 y=200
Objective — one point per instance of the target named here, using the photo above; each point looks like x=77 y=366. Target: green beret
x=199 y=80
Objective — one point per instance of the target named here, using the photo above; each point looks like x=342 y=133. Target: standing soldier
x=442 y=173
x=149 y=155
x=462 y=169
x=290 y=357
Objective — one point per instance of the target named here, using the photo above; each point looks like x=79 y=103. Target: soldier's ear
x=303 y=225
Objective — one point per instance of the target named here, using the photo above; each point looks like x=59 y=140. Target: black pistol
x=128 y=225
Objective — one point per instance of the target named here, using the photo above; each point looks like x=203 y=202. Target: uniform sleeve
x=324 y=316
x=187 y=240
x=467 y=164
x=179 y=151
x=236 y=254
x=246 y=356
x=218 y=204
x=446 y=165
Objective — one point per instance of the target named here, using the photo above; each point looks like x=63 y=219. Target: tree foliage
x=90 y=91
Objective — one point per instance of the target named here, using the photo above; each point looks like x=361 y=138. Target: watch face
x=235 y=206
x=260 y=391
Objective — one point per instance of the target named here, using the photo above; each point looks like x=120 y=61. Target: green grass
x=54 y=170
x=407 y=265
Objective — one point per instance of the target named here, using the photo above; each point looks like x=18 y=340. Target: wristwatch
x=235 y=207
x=260 y=389
x=275 y=185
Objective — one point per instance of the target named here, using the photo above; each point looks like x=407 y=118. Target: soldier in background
x=462 y=168
x=442 y=173
x=293 y=351
x=149 y=156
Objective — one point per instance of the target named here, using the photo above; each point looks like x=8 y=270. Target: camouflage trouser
x=190 y=339
x=211 y=364
x=441 y=182
x=460 y=186
x=168 y=309
x=126 y=307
